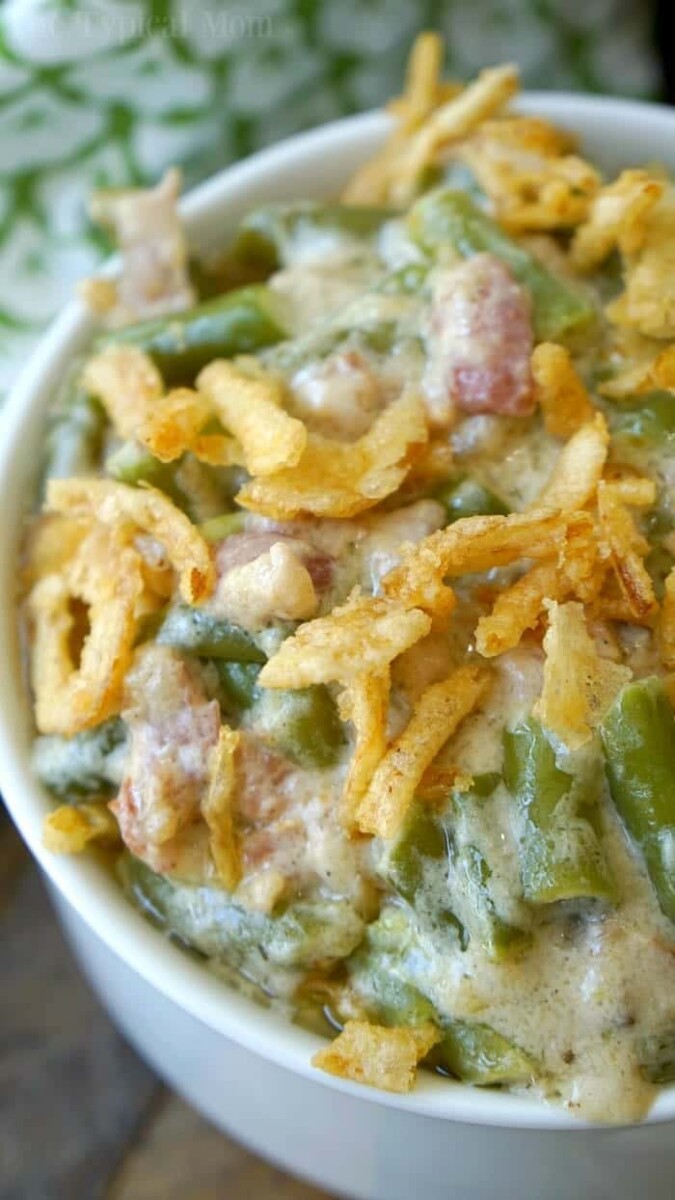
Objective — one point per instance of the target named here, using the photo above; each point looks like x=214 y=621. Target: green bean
x=190 y=484
x=650 y=421
x=560 y=855
x=638 y=736
x=133 y=464
x=448 y=882
x=240 y=322
x=215 y=276
x=270 y=236
x=389 y=971
x=497 y=937
x=411 y=865
x=304 y=724
x=448 y=216
x=422 y=839
x=223 y=526
x=307 y=934
x=238 y=684
x=478 y=1054
x=466 y=497
x=88 y=764
x=380 y=974
x=75 y=438
x=470 y=875
x=410 y=280
x=658 y=527
x=206 y=636
x=657 y=1057
x=359 y=323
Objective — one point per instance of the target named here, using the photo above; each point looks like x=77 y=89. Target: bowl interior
x=614 y=133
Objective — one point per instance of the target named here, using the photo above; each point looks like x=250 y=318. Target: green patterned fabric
x=106 y=92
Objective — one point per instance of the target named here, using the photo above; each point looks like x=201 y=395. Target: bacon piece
x=479 y=342
x=173 y=728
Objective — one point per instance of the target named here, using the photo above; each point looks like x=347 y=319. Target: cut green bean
x=389 y=972
x=447 y=882
x=238 y=684
x=414 y=865
x=222 y=527
x=381 y=976
x=447 y=216
x=638 y=736
x=560 y=855
x=478 y=1054
x=466 y=497
x=206 y=636
x=240 y=322
x=304 y=725
x=191 y=485
x=421 y=840
x=88 y=764
x=134 y=465
x=648 y=422
x=207 y=919
x=75 y=439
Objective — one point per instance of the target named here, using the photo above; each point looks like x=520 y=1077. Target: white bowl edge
x=285 y=171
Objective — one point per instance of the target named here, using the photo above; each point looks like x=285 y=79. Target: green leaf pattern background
x=108 y=92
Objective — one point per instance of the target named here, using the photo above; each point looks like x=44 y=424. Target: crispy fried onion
x=379 y=1056
x=579 y=569
x=647 y=303
x=341 y=479
x=578 y=469
x=429 y=121
x=73 y=695
x=437 y=714
x=627 y=548
x=477 y=544
x=565 y=404
x=364 y=702
x=650 y=374
x=217 y=809
x=424 y=91
x=524 y=166
x=130 y=388
x=250 y=406
x=70 y=828
x=363 y=635
x=128 y=510
x=579 y=685
x=636 y=214
x=519 y=607
x=51 y=543
x=617 y=219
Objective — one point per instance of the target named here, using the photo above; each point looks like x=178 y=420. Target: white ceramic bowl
x=245 y=1068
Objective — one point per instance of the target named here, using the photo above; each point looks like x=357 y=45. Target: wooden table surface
x=81 y=1117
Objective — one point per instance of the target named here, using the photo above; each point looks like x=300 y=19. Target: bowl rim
x=88 y=889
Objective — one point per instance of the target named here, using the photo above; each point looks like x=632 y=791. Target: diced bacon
x=172 y=730
x=264 y=780
x=479 y=342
